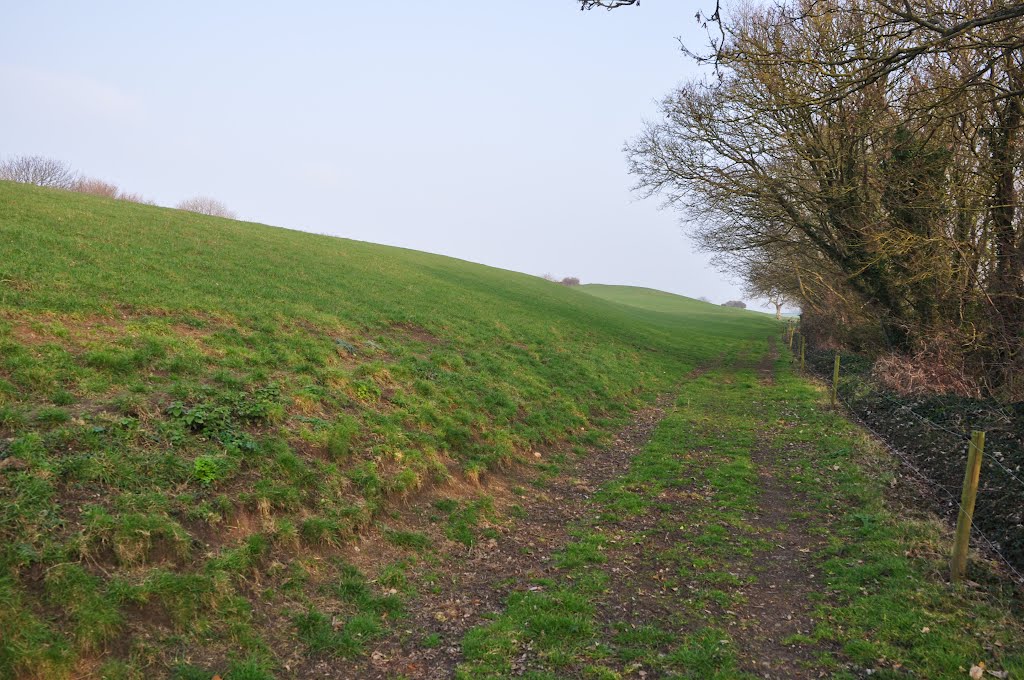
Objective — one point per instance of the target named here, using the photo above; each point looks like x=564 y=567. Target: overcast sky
x=490 y=131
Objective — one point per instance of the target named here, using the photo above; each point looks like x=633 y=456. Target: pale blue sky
x=490 y=131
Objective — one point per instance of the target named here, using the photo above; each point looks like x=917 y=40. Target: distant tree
x=38 y=170
x=738 y=304
x=550 y=277
x=570 y=281
x=135 y=198
x=98 y=187
x=95 y=187
x=204 y=205
x=765 y=287
x=703 y=298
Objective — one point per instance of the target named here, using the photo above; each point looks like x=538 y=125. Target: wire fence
x=930 y=436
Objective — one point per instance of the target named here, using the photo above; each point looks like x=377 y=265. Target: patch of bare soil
x=417 y=333
x=778 y=603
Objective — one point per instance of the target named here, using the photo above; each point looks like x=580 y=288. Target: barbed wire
x=927 y=421
x=958 y=435
x=1007 y=470
x=992 y=545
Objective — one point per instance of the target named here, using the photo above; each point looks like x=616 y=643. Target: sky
x=488 y=131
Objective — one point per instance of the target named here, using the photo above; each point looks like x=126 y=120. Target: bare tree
x=870 y=189
x=570 y=281
x=95 y=187
x=204 y=205
x=37 y=170
x=607 y=4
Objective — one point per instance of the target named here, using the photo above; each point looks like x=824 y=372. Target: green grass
x=892 y=605
x=198 y=405
x=885 y=608
x=667 y=303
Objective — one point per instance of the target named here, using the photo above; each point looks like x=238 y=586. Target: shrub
x=935 y=369
x=98 y=187
x=738 y=304
x=570 y=281
x=204 y=205
x=95 y=187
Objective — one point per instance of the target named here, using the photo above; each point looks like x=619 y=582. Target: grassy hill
x=197 y=414
x=668 y=303
x=660 y=301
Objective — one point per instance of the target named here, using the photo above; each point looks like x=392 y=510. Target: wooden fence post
x=792 y=332
x=803 y=346
x=835 y=382
x=958 y=565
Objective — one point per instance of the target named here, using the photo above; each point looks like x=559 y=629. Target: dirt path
x=476 y=581
x=703 y=555
x=779 y=599
x=696 y=559
x=770 y=591
x=484 y=579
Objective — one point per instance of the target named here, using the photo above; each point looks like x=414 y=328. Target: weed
x=412 y=540
x=210 y=469
x=339 y=441
x=320 y=531
x=366 y=390
x=52 y=416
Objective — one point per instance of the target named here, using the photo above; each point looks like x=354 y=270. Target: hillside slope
x=196 y=414
x=668 y=303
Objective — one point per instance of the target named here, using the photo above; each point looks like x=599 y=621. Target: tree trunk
x=1007 y=286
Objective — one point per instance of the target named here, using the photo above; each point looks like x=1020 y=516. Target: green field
x=238 y=450
x=164 y=374
x=659 y=301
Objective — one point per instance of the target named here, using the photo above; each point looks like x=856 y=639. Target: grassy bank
x=198 y=416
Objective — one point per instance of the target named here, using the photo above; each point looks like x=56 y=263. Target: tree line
x=863 y=159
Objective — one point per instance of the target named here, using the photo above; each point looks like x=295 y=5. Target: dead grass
x=935 y=369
